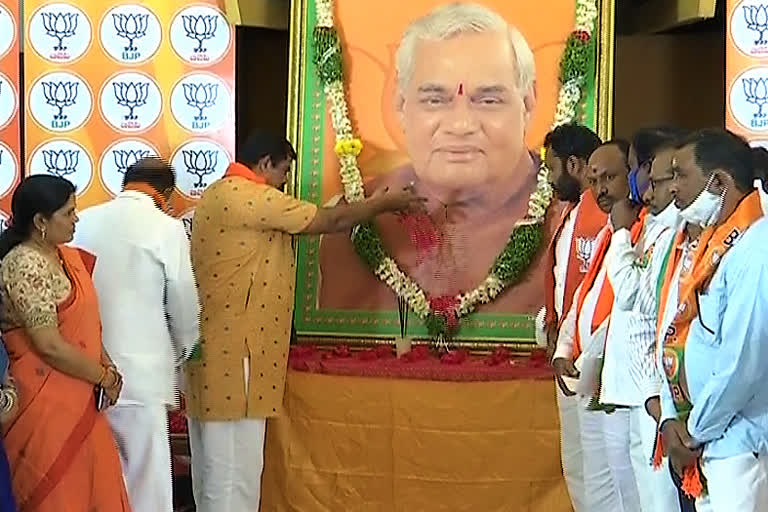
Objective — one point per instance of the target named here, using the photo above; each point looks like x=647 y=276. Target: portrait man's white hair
x=458 y=18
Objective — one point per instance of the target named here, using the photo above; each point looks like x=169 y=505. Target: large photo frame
x=343 y=308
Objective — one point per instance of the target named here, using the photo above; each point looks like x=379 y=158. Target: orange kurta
x=244 y=265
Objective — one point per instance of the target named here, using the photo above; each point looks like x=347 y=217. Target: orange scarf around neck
x=239 y=170
x=714 y=243
x=590 y=219
x=605 y=298
x=147 y=189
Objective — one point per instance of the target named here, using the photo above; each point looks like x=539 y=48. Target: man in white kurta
x=605 y=490
x=568 y=148
x=630 y=376
x=149 y=312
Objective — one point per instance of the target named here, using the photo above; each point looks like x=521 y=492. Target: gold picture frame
x=307 y=164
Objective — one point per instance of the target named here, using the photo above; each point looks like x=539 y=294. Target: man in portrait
x=465 y=97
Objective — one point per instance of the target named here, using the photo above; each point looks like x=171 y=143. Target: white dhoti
x=227 y=461
x=736 y=484
x=141 y=434
x=571 y=452
x=601 y=493
x=657 y=490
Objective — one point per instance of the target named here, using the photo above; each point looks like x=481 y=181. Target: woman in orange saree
x=60 y=447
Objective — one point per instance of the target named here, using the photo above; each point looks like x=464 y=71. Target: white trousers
x=571 y=453
x=141 y=434
x=617 y=452
x=227 y=461
x=736 y=484
x=656 y=488
x=601 y=492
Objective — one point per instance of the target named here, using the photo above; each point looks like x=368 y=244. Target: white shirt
x=763 y=196
x=629 y=367
x=147 y=293
x=566 y=336
x=562 y=254
x=726 y=351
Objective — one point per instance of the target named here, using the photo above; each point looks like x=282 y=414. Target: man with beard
x=630 y=378
x=713 y=325
x=608 y=485
x=568 y=148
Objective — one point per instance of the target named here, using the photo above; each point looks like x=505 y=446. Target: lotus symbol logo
x=201 y=97
x=757 y=20
x=61 y=163
x=60 y=26
x=755 y=92
x=60 y=95
x=131 y=95
x=200 y=163
x=8 y=169
x=131 y=27
x=124 y=159
x=200 y=28
x=584 y=249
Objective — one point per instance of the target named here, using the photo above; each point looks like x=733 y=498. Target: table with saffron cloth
x=371 y=433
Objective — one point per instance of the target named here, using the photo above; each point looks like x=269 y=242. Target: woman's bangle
x=7 y=401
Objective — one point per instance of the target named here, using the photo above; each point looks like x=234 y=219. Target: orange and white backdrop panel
x=10 y=149
x=109 y=83
x=746 y=72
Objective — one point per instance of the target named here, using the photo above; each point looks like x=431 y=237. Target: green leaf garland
x=526 y=238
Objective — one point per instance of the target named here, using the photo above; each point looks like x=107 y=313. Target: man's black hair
x=153 y=171
x=572 y=140
x=259 y=145
x=623 y=146
x=715 y=148
x=648 y=141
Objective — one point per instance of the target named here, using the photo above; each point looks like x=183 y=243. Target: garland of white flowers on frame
x=443 y=313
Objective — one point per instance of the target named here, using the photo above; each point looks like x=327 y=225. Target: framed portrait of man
x=453 y=99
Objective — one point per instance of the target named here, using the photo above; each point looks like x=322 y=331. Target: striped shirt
x=630 y=374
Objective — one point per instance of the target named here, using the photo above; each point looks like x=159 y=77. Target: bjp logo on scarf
x=584 y=249
x=671 y=363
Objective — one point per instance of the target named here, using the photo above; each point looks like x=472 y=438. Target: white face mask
x=705 y=209
x=669 y=216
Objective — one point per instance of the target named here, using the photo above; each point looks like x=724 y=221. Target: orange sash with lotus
x=714 y=243
x=604 y=303
x=59 y=443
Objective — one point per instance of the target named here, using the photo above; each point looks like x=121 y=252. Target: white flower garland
x=348 y=147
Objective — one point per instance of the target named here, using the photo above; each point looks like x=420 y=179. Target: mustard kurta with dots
x=244 y=264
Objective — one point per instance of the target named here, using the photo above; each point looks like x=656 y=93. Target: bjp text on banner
x=108 y=85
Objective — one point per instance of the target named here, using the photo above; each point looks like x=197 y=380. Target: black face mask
x=568 y=188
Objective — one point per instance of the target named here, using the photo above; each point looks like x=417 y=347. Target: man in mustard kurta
x=244 y=264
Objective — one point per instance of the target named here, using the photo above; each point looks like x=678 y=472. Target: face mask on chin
x=705 y=209
x=669 y=217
